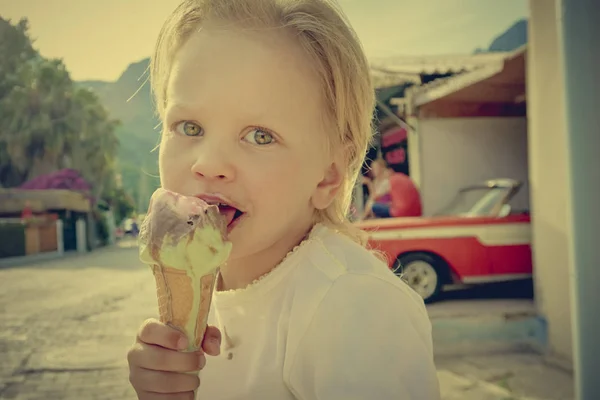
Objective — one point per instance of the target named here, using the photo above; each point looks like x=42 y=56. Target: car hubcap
x=421 y=276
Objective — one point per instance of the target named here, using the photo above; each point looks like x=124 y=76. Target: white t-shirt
x=330 y=322
x=382 y=187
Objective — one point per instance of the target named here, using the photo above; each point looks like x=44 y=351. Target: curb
x=31 y=259
x=454 y=386
x=489 y=334
x=41 y=258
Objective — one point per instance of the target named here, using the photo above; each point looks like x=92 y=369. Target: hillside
x=511 y=39
x=138 y=134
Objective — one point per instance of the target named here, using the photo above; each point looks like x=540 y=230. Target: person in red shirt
x=391 y=194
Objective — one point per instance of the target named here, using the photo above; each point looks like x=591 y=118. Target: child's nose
x=213 y=164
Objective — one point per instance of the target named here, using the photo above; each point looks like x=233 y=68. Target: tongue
x=228 y=213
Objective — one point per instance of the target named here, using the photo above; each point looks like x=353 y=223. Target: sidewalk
x=524 y=376
x=486 y=350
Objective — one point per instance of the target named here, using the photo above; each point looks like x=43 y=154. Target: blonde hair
x=324 y=33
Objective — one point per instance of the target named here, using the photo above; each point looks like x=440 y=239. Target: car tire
x=424 y=273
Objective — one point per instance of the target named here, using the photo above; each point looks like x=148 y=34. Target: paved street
x=65 y=326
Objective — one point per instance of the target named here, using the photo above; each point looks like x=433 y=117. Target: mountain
x=513 y=38
x=129 y=100
x=509 y=40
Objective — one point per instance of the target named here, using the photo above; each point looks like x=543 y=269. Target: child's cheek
x=173 y=158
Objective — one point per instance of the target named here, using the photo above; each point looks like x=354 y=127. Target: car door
x=508 y=243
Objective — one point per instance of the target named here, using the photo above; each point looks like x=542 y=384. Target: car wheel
x=423 y=273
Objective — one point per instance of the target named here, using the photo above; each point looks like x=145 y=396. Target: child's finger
x=157 y=358
x=211 y=344
x=170 y=396
x=159 y=382
x=155 y=332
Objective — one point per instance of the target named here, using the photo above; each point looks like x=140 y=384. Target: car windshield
x=474 y=202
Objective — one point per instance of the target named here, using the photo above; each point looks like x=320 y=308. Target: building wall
x=548 y=177
x=459 y=152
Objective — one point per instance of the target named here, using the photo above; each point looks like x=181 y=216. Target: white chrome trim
x=488 y=235
x=470 y=280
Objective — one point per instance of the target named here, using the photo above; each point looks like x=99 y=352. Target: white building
x=532 y=116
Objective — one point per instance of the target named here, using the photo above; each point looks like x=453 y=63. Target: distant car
x=476 y=239
x=129 y=227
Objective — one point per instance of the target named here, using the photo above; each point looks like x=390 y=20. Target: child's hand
x=157 y=367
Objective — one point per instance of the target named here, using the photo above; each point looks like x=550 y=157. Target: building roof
x=68 y=179
x=388 y=71
x=13 y=201
x=60 y=190
x=502 y=81
x=436 y=64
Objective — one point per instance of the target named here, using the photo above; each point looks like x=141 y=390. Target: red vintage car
x=476 y=239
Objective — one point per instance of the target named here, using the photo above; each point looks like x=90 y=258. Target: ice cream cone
x=183 y=239
x=184 y=301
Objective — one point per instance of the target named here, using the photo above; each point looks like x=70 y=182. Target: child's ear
x=328 y=188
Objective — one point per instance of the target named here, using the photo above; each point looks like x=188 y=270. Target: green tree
x=36 y=118
x=48 y=123
x=121 y=203
x=94 y=149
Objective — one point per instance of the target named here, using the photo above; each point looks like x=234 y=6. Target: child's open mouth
x=231 y=214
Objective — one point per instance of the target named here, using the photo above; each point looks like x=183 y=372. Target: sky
x=99 y=39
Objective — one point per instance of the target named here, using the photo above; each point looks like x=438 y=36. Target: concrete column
x=413 y=148
x=81 y=235
x=60 y=240
x=549 y=180
x=111 y=226
x=579 y=38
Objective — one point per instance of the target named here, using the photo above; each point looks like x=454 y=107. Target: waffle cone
x=184 y=302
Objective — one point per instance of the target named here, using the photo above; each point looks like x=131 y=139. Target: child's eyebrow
x=182 y=108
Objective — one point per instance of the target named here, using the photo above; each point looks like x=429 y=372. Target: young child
x=267 y=106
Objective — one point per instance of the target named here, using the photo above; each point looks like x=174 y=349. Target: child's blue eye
x=259 y=136
x=189 y=128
